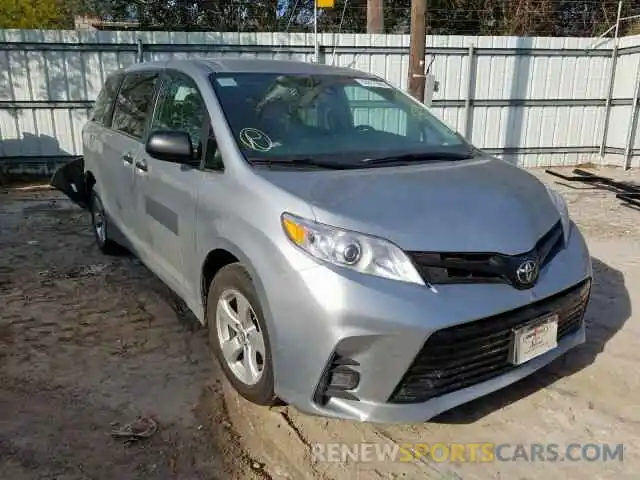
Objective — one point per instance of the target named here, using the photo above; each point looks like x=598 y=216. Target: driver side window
x=181 y=108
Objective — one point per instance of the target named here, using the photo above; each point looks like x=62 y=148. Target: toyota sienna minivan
x=349 y=254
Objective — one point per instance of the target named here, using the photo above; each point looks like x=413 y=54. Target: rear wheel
x=238 y=336
x=100 y=225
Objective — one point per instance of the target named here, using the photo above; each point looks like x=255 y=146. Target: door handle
x=128 y=159
x=142 y=166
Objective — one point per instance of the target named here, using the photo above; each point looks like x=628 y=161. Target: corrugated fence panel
x=513 y=127
x=537 y=94
x=448 y=69
x=554 y=159
x=622 y=115
x=619 y=117
x=623 y=84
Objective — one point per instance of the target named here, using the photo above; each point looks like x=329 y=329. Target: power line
x=295 y=7
x=344 y=9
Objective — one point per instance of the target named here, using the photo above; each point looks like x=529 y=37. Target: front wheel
x=238 y=335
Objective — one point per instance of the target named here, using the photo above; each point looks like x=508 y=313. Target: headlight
x=563 y=210
x=355 y=251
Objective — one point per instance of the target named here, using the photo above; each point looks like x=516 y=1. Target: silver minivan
x=349 y=253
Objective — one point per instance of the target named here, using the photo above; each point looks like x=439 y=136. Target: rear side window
x=103 y=107
x=134 y=102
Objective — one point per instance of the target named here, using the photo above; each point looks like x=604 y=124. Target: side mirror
x=170 y=146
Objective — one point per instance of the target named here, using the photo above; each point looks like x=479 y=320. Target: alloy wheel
x=241 y=340
x=99 y=223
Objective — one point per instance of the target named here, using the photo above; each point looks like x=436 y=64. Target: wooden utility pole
x=375 y=16
x=418 y=41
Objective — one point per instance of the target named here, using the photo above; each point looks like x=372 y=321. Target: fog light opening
x=338 y=380
x=344 y=378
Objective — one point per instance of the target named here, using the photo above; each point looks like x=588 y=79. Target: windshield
x=345 y=119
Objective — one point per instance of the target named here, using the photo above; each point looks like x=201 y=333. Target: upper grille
x=443 y=268
x=470 y=353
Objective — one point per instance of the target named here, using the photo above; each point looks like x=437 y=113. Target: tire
x=100 y=226
x=228 y=287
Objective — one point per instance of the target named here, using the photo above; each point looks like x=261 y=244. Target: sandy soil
x=88 y=342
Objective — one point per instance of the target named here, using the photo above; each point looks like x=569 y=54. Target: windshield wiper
x=303 y=162
x=414 y=157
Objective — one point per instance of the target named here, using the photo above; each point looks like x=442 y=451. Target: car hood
x=478 y=205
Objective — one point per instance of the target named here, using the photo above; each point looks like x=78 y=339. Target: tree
x=234 y=15
x=444 y=17
x=33 y=14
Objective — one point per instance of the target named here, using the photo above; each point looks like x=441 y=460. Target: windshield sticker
x=255 y=140
x=372 y=83
x=227 y=82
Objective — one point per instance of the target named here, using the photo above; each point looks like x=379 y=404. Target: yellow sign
x=325 y=3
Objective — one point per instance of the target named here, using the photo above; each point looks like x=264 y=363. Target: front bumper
x=380 y=326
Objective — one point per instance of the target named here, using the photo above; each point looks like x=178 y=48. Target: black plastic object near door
x=69 y=179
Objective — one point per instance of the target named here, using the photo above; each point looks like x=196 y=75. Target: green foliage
x=32 y=14
x=444 y=17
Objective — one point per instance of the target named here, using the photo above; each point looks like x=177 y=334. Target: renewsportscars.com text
x=467 y=452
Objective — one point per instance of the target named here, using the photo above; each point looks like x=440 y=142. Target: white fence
x=536 y=101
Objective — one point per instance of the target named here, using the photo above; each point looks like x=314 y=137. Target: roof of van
x=254 y=65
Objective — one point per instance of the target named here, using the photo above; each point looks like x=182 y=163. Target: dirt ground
x=88 y=343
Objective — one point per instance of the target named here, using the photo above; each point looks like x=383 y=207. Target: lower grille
x=464 y=355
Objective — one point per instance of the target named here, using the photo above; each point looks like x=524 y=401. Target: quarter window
x=213 y=157
x=181 y=108
x=133 y=103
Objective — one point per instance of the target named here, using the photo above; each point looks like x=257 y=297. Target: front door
x=123 y=146
x=166 y=192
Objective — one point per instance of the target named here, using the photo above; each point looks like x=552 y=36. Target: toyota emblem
x=527 y=272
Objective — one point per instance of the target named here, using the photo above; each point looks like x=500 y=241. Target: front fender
x=259 y=254
x=233 y=248
x=246 y=222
